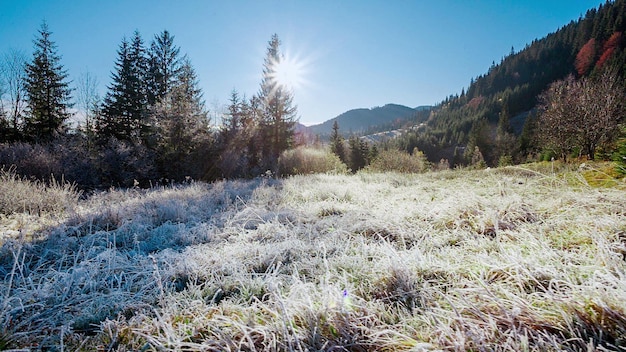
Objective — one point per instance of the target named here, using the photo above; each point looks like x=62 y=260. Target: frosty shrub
x=121 y=163
x=31 y=160
x=66 y=157
x=307 y=160
x=34 y=197
x=400 y=161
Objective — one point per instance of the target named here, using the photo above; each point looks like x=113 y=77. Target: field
x=511 y=259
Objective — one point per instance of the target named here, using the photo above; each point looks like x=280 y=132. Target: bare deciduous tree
x=602 y=110
x=582 y=114
x=558 y=119
x=13 y=76
x=87 y=98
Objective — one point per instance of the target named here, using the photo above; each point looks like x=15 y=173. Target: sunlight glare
x=290 y=72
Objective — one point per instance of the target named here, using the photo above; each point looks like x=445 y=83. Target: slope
x=377 y=119
x=510 y=88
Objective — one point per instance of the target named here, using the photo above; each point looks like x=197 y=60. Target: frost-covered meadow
x=505 y=259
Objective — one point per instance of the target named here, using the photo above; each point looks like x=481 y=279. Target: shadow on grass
x=103 y=260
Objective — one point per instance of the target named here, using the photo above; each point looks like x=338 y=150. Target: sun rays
x=290 y=72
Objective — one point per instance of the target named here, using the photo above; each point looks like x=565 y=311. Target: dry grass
x=18 y=195
x=508 y=259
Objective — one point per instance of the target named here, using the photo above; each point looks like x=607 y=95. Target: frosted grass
x=504 y=259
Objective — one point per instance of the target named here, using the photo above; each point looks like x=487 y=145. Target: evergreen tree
x=336 y=143
x=479 y=136
x=528 y=139
x=182 y=127
x=505 y=139
x=277 y=112
x=359 y=153
x=232 y=139
x=125 y=104
x=47 y=91
x=163 y=68
x=186 y=88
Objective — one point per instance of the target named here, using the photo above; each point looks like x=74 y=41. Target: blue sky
x=351 y=54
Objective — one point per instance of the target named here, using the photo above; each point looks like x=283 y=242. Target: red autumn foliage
x=475 y=102
x=585 y=57
x=609 y=47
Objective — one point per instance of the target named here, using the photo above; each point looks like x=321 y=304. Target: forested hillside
x=507 y=95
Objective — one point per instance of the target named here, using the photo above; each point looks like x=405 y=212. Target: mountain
x=368 y=121
x=508 y=91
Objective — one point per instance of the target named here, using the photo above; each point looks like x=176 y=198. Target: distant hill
x=369 y=121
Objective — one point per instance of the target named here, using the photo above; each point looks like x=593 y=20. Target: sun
x=290 y=72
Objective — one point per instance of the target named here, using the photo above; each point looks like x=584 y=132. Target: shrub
x=124 y=164
x=505 y=160
x=307 y=160
x=66 y=157
x=399 y=161
x=620 y=156
x=22 y=195
x=30 y=160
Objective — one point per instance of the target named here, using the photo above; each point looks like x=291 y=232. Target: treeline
x=151 y=126
x=499 y=112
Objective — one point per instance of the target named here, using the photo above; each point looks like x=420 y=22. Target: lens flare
x=290 y=72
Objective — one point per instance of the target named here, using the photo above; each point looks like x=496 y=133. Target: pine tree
x=505 y=139
x=336 y=143
x=359 y=152
x=125 y=104
x=47 y=91
x=232 y=139
x=163 y=68
x=182 y=126
x=277 y=112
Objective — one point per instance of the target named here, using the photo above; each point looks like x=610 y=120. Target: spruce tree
x=182 y=124
x=359 y=151
x=277 y=112
x=163 y=68
x=505 y=143
x=336 y=143
x=47 y=90
x=125 y=104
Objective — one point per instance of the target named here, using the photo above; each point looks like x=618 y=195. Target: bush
x=30 y=160
x=306 y=160
x=64 y=158
x=124 y=164
x=34 y=197
x=620 y=156
x=399 y=161
x=505 y=160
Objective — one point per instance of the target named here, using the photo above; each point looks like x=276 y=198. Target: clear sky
x=349 y=53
